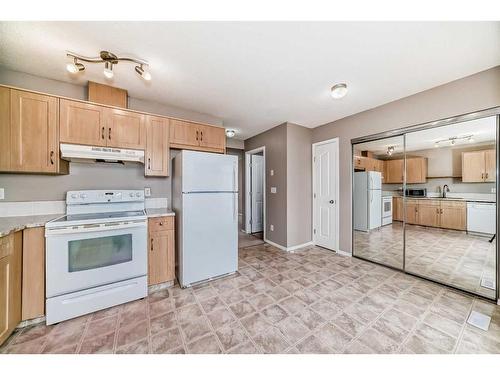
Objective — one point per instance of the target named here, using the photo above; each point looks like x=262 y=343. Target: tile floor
x=311 y=301
x=448 y=256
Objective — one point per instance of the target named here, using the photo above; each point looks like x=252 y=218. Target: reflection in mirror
x=450 y=205
x=377 y=218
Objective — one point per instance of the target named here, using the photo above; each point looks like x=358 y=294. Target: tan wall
x=473 y=93
x=299 y=185
x=276 y=204
x=20 y=187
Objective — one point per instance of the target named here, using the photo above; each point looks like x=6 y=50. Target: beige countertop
x=159 y=212
x=15 y=223
x=448 y=199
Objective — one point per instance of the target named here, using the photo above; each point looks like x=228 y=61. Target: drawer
x=159 y=224
x=453 y=204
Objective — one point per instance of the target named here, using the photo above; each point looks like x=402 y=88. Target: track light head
x=108 y=70
x=75 y=67
x=143 y=73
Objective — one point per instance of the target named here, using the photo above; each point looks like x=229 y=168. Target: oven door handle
x=93 y=228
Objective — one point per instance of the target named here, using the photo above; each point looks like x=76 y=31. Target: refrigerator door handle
x=234 y=177
x=235 y=210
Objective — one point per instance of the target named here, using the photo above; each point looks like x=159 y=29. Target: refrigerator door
x=207 y=172
x=209 y=244
x=374 y=208
x=374 y=180
x=361 y=195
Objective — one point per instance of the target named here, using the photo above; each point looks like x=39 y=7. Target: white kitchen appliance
x=481 y=217
x=367 y=200
x=82 y=153
x=96 y=255
x=386 y=210
x=205 y=200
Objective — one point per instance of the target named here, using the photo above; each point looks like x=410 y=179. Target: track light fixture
x=109 y=59
x=453 y=140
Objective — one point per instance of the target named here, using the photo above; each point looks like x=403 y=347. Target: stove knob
x=138 y=195
x=74 y=196
x=83 y=195
x=131 y=195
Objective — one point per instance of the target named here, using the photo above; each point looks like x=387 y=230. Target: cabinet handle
x=441 y=212
x=201 y=136
x=486 y=177
x=482 y=176
x=151 y=244
x=102 y=132
x=109 y=134
x=149 y=163
x=197 y=135
x=52 y=157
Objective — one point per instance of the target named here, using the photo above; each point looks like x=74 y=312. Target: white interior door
x=257 y=177
x=325 y=174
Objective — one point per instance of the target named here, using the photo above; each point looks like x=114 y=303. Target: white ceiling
x=482 y=131
x=256 y=75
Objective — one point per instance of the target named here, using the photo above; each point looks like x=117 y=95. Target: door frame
x=248 y=187
x=335 y=141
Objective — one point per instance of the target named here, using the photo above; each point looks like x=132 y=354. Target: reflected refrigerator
x=367 y=196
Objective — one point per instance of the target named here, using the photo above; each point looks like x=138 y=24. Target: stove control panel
x=104 y=196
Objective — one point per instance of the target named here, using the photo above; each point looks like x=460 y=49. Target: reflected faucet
x=446 y=189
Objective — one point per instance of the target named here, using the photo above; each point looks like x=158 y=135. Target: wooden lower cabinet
x=432 y=213
x=161 y=250
x=33 y=290
x=10 y=283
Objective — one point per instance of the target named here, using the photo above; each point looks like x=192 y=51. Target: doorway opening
x=255 y=199
x=326 y=194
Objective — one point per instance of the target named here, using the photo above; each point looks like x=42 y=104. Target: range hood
x=100 y=154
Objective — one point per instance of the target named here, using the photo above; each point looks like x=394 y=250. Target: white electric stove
x=96 y=255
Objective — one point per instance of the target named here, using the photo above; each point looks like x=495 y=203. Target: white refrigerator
x=205 y=201
x=367 y=200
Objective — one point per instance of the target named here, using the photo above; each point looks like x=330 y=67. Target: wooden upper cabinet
x=157 y=146
x=125 y=129
x=190 y=135
x=34 y=132
x=109 y=95
x=184 y=133
x=393 y=171
x=212 y=137
x=82 y=123
x=490 y=165
x=5 y=129
x=479 y=166
x=416 y=170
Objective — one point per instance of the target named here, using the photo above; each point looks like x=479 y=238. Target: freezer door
x=209 y=245
x=204 y=171
x=374 y=180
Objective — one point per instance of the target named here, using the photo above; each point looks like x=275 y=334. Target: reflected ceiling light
x=339 y=90
x=453 y=140
x=390 y=150
x=230 y=133
x=109 y=59
x=143 y=73
x=74 y=67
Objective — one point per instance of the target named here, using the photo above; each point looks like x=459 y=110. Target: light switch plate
x=493 y=190
x=271 y=227
x=2 y=193
x=147 y=192
x=272 y=172
x=273 y=190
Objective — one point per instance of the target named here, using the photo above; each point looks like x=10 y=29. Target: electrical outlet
x=272 y=172
x=147 y=192
x=273 y=190
x=2 y=193
x=271 y=227
x=493 y=190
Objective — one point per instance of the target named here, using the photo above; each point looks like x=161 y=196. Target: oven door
x=88 y=256
x=386 y=207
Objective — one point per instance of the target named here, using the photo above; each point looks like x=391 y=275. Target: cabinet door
x=82 y=123
x=184 y=134
x=394 y=171
x=416 y=170
x=411 y=212
x=473 y=166
x=212 y=137
x=428 y=214
x=10 y=284
x=5 y=129
x=125 y=129
x=490 y=165
x=33 y=285
x=157 y=146
x=34 y=132
x=161 y=261
x=397 y=209
x=453 y=215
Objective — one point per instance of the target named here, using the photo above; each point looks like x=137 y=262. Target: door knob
x=332 y=201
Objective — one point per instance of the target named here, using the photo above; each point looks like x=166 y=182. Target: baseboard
x=344 y=253
x=291 y=248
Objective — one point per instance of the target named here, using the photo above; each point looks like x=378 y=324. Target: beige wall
x=276 y=204
x=19 y=187
x=299 y=185
x=473 y=93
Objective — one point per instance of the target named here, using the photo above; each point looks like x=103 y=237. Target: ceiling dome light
x=108 y=70
x=339 y=90
x=230 y=133
x=143 y=73
x=74 y=67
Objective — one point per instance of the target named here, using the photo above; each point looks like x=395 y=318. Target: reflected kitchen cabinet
x=479 y=166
